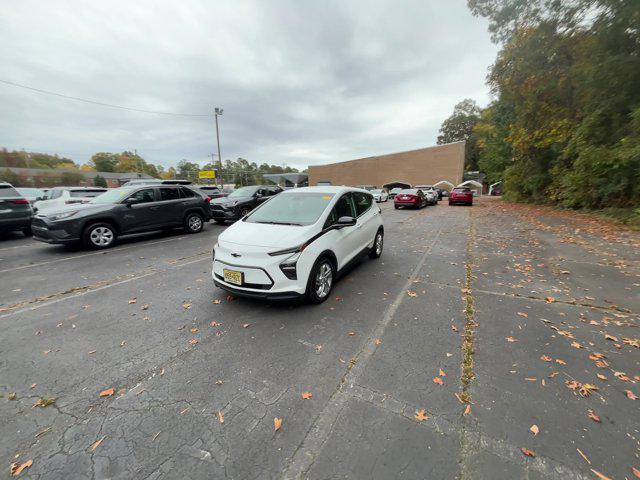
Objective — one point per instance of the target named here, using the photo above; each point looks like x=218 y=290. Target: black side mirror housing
x=345 y=222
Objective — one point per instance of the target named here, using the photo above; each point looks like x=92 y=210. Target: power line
x=102 y=104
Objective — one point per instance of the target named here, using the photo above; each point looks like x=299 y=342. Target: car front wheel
x=99 y=236
x=320 y=281
x=193 y=223
x=378 y=244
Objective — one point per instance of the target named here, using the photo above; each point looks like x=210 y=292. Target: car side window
x=142 y=196
x=169 y=193
x=342 y=208
x=362 y=201
x=55 y=194
x=187 y=193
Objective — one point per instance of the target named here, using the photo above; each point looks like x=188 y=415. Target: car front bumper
x=219 y=213
x=48 y=231
x=257 y=294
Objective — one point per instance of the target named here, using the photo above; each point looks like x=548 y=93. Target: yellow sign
x=207 y=174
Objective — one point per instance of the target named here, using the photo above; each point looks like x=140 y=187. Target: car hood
x=226 y=200
x=278 y=237
x=85 y=208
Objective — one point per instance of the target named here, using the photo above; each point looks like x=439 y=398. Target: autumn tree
x=459 y=127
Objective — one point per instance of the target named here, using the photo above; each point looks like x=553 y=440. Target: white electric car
x=297 y=243
x=380 y=195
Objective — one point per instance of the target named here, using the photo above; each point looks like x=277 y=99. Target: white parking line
x=81 y=294
x=103 y=252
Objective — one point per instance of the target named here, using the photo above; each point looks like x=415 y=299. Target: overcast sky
x=301 y=82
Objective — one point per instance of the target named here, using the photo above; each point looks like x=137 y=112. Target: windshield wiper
x=279 y=223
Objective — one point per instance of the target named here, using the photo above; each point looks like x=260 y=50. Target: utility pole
x=218 y=111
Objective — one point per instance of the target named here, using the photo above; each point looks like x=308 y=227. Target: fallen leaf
x=217 y=302
x=467 y=409
x=193 y=341
x=442 y=374
x=351 y=334
x=194 y=330
x=277 y=423
x=412 y=294
x=593 y=416
x=550 y=299
x=246 y=325
x=527 y=452
x=219 y=382
x=186 y=306
x=454 y=328
x=215 y=324
x=145 y=307
x=545 y=358
x=630 y=395
x=132 y=301
x=377 y=341
x=611 y=337
x=523 y=314
x=583 y=456
x=586 y=389
x=306 y=395
x=220 y=416
x=599 y=475
x=96 y=444
x=510 y=339
x=601 y=377
x=636 y=472
x=438 y=380
x=17 y=468
x=421 y=415
x=107 y=393
x=576 y=345
x=534 y=429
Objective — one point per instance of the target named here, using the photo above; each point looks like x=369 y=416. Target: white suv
x=58 y=197
x=429 y=192
x=297 y=243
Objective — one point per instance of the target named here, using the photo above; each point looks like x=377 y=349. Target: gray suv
x=15 y=210
x=122 y=211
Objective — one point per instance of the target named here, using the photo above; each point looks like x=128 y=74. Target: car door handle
x=154 y=208
x=359 y=226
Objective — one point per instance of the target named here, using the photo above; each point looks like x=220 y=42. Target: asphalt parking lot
x=480 y=332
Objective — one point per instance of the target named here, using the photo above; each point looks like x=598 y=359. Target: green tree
x=11 y=177
x=71 y=178
x=104 y=161
x=99 y=181
x=459 y=127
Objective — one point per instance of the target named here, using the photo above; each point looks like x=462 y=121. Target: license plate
x=231 y=276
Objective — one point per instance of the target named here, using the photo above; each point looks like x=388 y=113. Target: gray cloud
x=300 y=82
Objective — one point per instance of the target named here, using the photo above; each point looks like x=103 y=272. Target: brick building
x=423 y=166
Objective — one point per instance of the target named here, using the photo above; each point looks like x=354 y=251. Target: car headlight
x=62 y=216
x=213 y=252
x=288 y=266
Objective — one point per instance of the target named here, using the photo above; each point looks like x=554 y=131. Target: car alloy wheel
x=193 y=223
x=101 y=236
x=378 y=245
x=244 y=212
x=324 y=280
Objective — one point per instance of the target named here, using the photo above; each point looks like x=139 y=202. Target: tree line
x=237 y=172
x=564 y=125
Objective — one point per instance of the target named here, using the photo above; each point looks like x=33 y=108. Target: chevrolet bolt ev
x=297 y=243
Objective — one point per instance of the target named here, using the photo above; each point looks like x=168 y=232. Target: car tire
x=317 y=288
x=27 y=232
x=99 y=236
x=396 y=207
x=193 y=223
x=378 y=245
x=244 y=211
x=220 y=221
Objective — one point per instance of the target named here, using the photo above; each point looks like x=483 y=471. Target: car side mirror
x=259 y=195
x=128 y=202
x=345 y=221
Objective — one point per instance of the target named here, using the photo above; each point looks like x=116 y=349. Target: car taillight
x=20 y=201
x=208 y=199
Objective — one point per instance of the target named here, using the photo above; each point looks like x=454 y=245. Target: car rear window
x=7 y=191
x=462 y=190
x=86 y=193
x=187 y=192
x=408 y=191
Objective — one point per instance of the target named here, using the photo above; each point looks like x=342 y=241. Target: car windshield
x=377 y=190
x=461 y=190
x=244 y=192
x=8 y=191
x=292 y=209
x=113 y=196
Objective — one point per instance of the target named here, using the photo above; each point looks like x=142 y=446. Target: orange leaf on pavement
x=438 y=380
x=534 y=429
x=107 y=393
x=630 y=395
x=599 y=475
x=277 y=423
x=17 y=468
x=96 y=444
x=421 y=415
x=306 y=395
x=527 y=452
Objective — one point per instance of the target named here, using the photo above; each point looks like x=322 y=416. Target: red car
x=410 y=197
x=461 y=195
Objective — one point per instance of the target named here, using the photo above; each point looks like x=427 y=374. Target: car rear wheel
x=378 y=244
x=99 y=236
x=193 y=223
x=396 y=207
x=244 y=211
x=320 y=280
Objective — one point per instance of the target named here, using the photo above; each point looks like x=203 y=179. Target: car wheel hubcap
x=379 y=244
x=195 y=223
x=101 y=236
x=324 y=279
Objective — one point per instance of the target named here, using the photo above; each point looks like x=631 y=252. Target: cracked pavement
x=184 y=355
